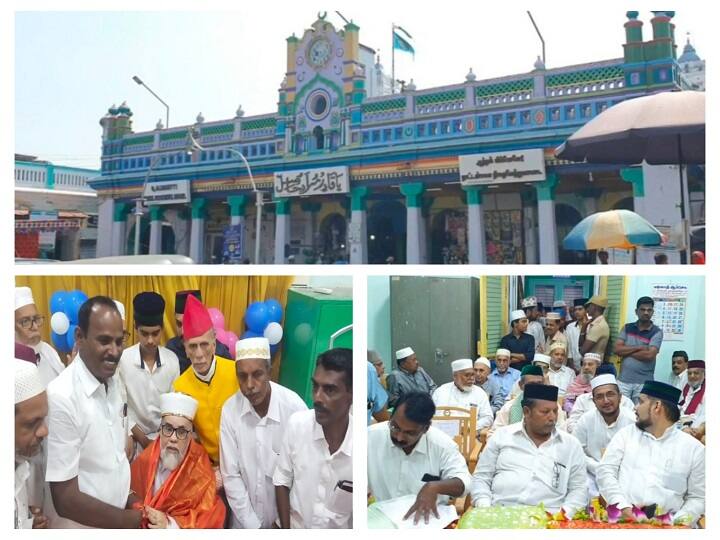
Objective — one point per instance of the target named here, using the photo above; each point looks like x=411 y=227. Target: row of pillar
x=416 y=241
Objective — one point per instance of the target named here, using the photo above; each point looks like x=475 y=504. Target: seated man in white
x=462 y=392
x=407 y=456
x=598 y=426
x=584 y=402
x=654 y=463
x=531 y=462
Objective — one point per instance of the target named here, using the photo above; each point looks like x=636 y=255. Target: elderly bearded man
x=462 y=392
x=211 y=379
x=531 y=462
x=174 y=476
x=252 y=426
x=482 y=379
x=693 y=393
x=408 y=377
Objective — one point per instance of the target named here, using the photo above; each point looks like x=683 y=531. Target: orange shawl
x=188 y=494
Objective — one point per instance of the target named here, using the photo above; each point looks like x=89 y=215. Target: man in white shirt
x=534 y=328
x=147 y=370
x=31 y=408
x=558 y=373
x=584 y=402
x=503 y=375
x=252 y=425
x=652 y=462
x=87 y=468
x=598 y=426
x=28 y=323
x=531 y=462
x=313 y=477
x=572 y=332
x=678 y=377
x=693 y=393
x=407 y=456
x=554 y=331
x=462 y=392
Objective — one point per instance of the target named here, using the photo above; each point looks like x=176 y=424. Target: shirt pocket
x=675 y=481
x=340 y=501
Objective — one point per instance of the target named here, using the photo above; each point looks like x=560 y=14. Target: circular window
x=318 y=105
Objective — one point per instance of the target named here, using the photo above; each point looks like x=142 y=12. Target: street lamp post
x=167 y=108
x=139 y=205
x=195 y=145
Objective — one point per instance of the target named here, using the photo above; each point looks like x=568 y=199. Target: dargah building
x=352 y=172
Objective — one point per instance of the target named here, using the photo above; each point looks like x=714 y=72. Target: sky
x=71 y=66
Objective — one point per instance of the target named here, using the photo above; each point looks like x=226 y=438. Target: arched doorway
x=448 y=235
x=333 y=238
x=167 y=239
x=566 y=217
x=387 y=232
x=319 y=136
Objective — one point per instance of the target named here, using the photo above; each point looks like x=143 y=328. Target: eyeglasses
x=168 y=431
x=394 y=428
x=27 y=322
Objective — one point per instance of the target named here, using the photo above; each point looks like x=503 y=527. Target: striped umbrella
x=613 y=229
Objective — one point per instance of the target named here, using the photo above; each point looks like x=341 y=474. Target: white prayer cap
x=544 y=358
x=28 y=383
x=404 y=353
x=23 y=297
x=559 y=303
x=252 y=349
x=121 y=308
x=593 y=356
x=528 y=302
x=178 y=404
x=463 y=363
x=517 y=314
x=557 y=345
x=502 y=352
x=553 y=316
x=482 y=361
x=605 y=378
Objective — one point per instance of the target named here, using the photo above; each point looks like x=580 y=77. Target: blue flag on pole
x=402 y=44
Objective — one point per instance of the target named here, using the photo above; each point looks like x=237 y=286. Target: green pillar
x=121 y=211
x=282 y=206
x=358 y=198
x=156 y=213
x=474 y=194
x=413 y=193
x=546 y=189
x=237 y=205
x=198 y=208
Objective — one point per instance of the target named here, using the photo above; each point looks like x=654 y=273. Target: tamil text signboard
x=502 y=167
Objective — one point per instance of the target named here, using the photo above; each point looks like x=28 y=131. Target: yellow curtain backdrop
x=230 y=294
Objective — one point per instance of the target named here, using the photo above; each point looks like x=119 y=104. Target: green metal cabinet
x=311 y=318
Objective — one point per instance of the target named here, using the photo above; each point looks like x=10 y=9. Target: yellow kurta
x=211 y=397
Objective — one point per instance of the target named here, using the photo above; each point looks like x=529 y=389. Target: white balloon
x=273 y=332
x=59 y=323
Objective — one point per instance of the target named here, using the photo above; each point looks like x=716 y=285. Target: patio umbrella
x=613 y=229
x=667 y=128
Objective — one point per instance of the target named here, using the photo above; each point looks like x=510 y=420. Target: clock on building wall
x=319 y=52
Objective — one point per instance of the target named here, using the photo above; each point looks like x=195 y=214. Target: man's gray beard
x=170 y=460
x=696 y=385
x=586 y=377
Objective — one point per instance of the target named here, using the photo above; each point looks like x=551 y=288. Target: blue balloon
x=249 y=334
x=70 y=337
x=59 y=341
x=257 y=317
x=275 y=310
x=75 y=300
x=58 y=302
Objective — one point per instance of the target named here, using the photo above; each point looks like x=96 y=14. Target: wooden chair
x=461 y=425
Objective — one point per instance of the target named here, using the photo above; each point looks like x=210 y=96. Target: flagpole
x=392 y=46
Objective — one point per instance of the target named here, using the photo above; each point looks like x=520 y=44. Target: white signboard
x=170 y=192
x=670 y=310
x=502 y=167
x=325 y=181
